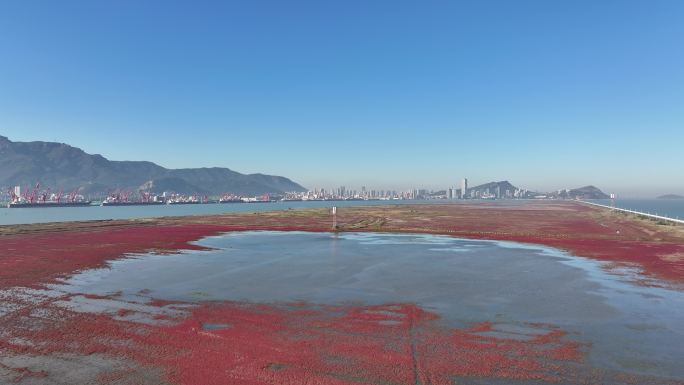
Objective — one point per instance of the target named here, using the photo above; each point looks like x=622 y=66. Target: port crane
x=118 y=196
x=31 y=197
x=44 y=195
x=72 y=196
x=13 y=196
x=145 y=196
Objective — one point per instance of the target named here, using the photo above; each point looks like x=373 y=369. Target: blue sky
x=388 y=94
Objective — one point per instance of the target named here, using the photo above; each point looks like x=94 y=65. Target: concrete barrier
x=654 y=216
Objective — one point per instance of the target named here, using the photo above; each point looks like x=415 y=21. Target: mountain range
x=505 y=188
x=64 y=167
x=586 y=192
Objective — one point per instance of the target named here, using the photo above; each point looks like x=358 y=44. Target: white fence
x=654 y=216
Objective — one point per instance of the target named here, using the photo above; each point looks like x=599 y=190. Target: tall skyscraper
x=464 y=188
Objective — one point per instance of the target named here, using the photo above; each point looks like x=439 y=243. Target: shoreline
x=586 y=231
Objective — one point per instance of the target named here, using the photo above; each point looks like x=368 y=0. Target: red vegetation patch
x=28 y=260
x=646 y=255
x=22 y=373
x=268 y=344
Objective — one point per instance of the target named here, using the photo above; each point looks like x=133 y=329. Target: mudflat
x=285 y=297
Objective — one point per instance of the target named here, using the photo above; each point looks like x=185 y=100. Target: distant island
x=586 y=192
x=670 y=196
x=504 y=189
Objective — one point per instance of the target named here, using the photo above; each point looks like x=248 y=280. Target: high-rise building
x=464 y=188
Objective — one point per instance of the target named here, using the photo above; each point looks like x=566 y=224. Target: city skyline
x=391 y=94
x=456 y=184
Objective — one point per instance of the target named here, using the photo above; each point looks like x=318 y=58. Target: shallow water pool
x=630 y=327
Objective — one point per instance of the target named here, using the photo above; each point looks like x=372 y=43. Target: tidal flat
x=393 y=295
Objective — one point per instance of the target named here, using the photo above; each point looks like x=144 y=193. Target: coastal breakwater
x=649 y=215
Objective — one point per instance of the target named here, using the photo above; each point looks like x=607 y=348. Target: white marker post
x=334 y=214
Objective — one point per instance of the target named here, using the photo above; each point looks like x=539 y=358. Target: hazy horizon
x=389 y=95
